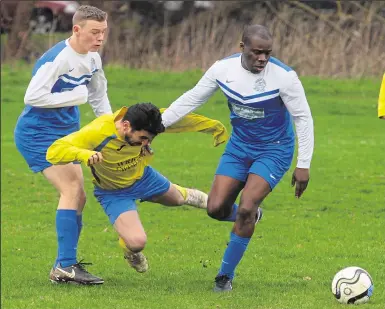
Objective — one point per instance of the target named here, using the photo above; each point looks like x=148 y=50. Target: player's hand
x=95 y=158
x=300 y=179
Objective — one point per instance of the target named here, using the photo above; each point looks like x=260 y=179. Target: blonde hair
x=88 y=12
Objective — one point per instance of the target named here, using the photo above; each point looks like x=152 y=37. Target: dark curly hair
x=145 y=116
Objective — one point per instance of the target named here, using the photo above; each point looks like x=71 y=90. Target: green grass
x=339 y=221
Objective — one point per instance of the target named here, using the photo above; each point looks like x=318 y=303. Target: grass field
x=295 y=251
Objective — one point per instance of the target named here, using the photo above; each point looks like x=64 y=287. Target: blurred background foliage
x=321 y=38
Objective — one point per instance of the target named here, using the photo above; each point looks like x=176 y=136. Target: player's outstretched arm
x=78 y=146
x=198 y=123
x=192 y=99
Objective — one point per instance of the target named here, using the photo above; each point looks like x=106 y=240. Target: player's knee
x=246 y=215
x=216 y=209
x=74 y=191
x=137 y=243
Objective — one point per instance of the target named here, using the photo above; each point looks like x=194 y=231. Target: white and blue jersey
x=61 y=80
x=262 y=108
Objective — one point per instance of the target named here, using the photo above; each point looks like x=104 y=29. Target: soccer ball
x=352 y=285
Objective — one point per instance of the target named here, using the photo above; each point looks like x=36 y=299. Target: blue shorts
x=116 y=202
x=269 y=161
x=35 y=131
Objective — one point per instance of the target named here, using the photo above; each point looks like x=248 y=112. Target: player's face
x=256 y=54
x=91 y=34
x=138 y=138
x=135 y=137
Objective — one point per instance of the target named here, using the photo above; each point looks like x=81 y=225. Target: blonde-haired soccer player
x=67 y=75
x=381 y=100
x=116 y=147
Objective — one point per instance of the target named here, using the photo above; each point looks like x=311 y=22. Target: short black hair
x=145 y=116
x=255 y=30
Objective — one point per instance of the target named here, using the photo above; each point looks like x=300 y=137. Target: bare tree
x=19 y=31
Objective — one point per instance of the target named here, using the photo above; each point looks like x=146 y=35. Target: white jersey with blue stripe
x=62 y=79
x=261 y=105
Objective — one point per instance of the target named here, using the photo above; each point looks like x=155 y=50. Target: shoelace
x=81 y=265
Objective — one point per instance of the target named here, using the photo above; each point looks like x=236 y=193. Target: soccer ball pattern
x=352 y=285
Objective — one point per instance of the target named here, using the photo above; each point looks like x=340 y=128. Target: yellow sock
x=122 y=245
x=182 y=191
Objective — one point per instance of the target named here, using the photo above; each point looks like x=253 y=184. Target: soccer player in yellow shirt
x=381 y=100
x=117 y=149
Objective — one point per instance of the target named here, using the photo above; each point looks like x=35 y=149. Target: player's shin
x=67 y=235
x=233 y=254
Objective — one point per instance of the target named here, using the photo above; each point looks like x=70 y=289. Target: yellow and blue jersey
x=122 y=164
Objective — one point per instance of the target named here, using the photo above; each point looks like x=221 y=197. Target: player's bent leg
x=256 y=189
x=178 y=196
x=132 y=239
x=221 y=199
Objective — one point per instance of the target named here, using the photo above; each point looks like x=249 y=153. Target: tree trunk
x=111 y=46
x=19 y=30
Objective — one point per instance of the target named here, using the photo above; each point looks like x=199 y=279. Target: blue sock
x=67 y=236
x=233 y=214
x=233 y=255
x=79 y=221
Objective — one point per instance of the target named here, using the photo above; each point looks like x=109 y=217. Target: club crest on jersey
x=93 y=65
x=260 y=85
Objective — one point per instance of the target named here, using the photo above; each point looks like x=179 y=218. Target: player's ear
x=241 y=45
x=76 y=29
x=127 y=126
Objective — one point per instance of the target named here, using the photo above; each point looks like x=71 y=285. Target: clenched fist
x=95 y=159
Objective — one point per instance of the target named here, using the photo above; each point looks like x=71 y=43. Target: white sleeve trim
x=295 y=101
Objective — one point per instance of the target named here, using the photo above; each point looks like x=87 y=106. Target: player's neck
x=76 y=46
x=243 y=64
x=118 y=128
